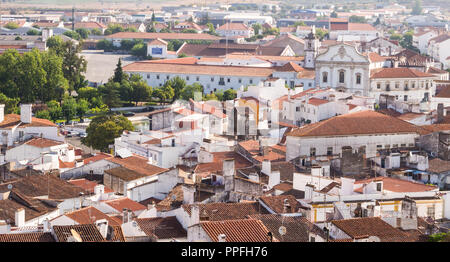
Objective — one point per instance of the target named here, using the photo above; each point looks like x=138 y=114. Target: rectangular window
x=297 y=109
x=197 y=78
x=405 y=98
x=394 y=145
x=228 y=80
x=167 y=77
x=329 y=151
x=157 y=76
x=312 y=151
x=187 y=78
x=358 y=79
x=403 y=145
x=388 y=87
x=379 y=146
x=148 y=76
x=251 y=81
x=430 y=211
x=379 y=187
x=378 y=85
x=240 y=80
x=397 y=85
x=212 y=79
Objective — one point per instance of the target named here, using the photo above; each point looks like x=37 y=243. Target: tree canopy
x=103 y=129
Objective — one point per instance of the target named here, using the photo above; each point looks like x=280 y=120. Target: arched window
x=341 y=76
x=325 y=77
x=358 y=79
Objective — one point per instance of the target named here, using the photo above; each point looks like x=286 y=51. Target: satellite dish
x=76 y=236
x=282 y=230
x=10 y=187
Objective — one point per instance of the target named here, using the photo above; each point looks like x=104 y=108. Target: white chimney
x=266 y=167
x=188 y=194
x=46 y=225
x=274 y=179
x=2 y=112
x=20 y=217
x=99 y=189
x=130 y=215
x=5 y=228
x=222 y=238
x=195 y=215
x=25 y=113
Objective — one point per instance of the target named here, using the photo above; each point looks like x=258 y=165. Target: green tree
x=83 y=32
x=82 y=107
x=417 y=8
x=210 y=97
x=189 y=31
x=88 y=93
x=10 y=104
x=74 y=64
x=96 y=31
x=118 y=72
x=357 y=19
x=153 y=17
x=321 y=33
x=395 y=36
x=110 y=94
x=164 y=93
x=141 y=91
x=299 y=23
x=54 y=110
x=12 y=25
x=191 y=90
x=114 y=28
x=177 y=84
x=139 y=50
x=72 y=34
x=229 y=94
x=54 y=41
x=31 y=78
x=32 y=32
x=9 y=73
x=44 y=114
x=56 y=84
x=69 y=108
x=257 y=28
x=105 y=45
x=103 y=129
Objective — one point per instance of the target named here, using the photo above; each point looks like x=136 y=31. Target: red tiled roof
x=243 y=230
x=164 y=36
x=43 y=142
x=88 y=185
x=121 y=203
x=399 y=185
x=27 y=237
x=12 y=120
x=217 y=164
x=87 y=232
x=371 y=226
x=162 y=227
x=138 y=164
x=182 y=60
x=276 y=203
x=358 y=123
x=199 y=69
x=360 y=27
x=438 y=166
x=290 y=67
x=96 y=158
x=233 y=26
x=228 y=211
x=375 y=57
x=66 y=164
x=399 y=73
x=316 y=101
x=440 y=38
x=89 y=215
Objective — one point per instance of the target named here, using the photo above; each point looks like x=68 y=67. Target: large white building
x=439 y=49
x=366 y=129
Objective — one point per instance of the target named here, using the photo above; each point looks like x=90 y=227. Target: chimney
x=266 y=167
x=195 y=215
x=20 y=217
x=130 y=215
x=25 y=113
x=440 y=113
x=99 y=189
x=46 y=225
x=309 y=189
x=2 y=112
x=222 y=238
x=228 y=174
x=188 y=194
x=124 y=216
x=5 y=228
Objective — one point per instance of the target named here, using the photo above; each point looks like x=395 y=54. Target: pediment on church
x=342 y=53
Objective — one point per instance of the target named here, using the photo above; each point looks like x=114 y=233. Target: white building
x=366 y=129
x=235 y=29
x=439 y=49
x=421 y=39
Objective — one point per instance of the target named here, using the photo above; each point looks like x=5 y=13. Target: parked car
x=128 y=114
x=83 y=134
x=72 y=133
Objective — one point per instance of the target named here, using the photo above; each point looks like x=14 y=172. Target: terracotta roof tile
x=120 y=203
x=164 y=36
x=217 y=164
x=297 y=228
x=134 y=167
x=233 y=26
x=162 y=227
x=360 y=27
x=27 y=237
x=399 y=185
x=43 y=142
x=96 y=158
x=358 y=123
x=88 y=233
x=12 y=120
x=228 y=211
x=89 y=215
x=276 y=203
x=438 y=165
x=244 y=230
x=88 y=185
x=371 y=226
x=399 y=73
